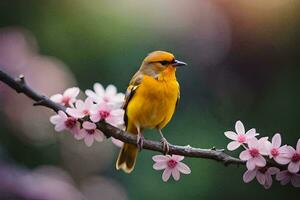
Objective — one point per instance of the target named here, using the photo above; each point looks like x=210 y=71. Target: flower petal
x=160 y=165
x=233 y=145
x=288 y=151
x=57 y=98
x=115 y=120
x=166 y=174
x=74 y=113
x=245 y=155
x=98 y=135
x=282 y=175
x=89 y=140
x=260 y=161
x=295 y=180
x=177 y=158
x=249 y=175
x=75 y=130
x=298 y=146
x=285 y=181
x=111 y=90
x=294 y=167
x=108 y=107
x=80 y=135
x=280 y=159
x=117 y=142
x=239 y=128
x=72 y=92
x=55 y=119
x=62 y=114
x=276 y=140
x=89 y=125
x=252 y=143
x=264 y=147
x=261 y=178
x=268 y=182
x=251 y=133
x=273 y=170
x=175 y=174
x=95 y=117
x=59 y=127
x=88 y=103
x=183 y=168
x=231 y=135
x=92 y=94
x=250 y=164
x=79 y=104
x=99 y=89
x=120 y=97
x=117 y=112
x=160 y=158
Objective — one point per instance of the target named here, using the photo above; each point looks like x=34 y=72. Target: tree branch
x=20 y=86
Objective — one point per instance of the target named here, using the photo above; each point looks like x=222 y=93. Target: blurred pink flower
x=81 y=109
x=19 y=55
x=263 y=175
x=171 y=165
x=294 y=157
x=108 y=95
x=105 y=111
x=89 y=133
x=253 y=154
x=63 y=122
x=285 y=177
x=67 y=98
x=117 y=142
x=239 y=137
x=45 y=182
x=275 y=150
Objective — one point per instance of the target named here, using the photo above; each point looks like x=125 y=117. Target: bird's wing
x=133 y=85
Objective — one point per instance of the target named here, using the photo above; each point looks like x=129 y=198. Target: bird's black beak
x=178 y=63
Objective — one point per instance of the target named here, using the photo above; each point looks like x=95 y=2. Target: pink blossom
x=285 y=177
x=171 y=165
x=253 y=154
x=106 y=112
x=63 y=122
x=81 y=109
x=67 y=98
x=117 y=142
x=89 y=133
x=239 y=137
x=263 y=175
x=275 y=150
x=108 y=95
x=294 y=157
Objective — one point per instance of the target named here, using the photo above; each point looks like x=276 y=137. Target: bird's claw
x=140 y=141
x=166 y=146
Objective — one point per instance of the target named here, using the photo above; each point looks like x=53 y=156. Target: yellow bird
x=150 y=102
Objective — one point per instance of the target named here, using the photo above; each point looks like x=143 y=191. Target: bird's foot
x=140 y=141
x=166 y=146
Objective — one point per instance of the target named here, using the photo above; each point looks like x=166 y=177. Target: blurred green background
x=242 y=65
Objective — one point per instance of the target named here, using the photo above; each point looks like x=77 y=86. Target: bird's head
x=159 y=61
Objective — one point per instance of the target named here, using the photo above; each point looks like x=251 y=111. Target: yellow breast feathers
x=154 y=101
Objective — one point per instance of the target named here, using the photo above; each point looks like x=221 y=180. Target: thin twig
x=20 y=86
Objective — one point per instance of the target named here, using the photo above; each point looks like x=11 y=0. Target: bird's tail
x=128 y=153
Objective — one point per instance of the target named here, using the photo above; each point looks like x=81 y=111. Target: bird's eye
x=164 y=62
